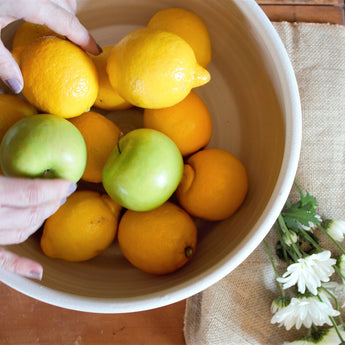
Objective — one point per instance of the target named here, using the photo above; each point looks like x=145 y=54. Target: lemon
x=29 y=32
x=187 y=25
x=154 y=68
x=82 y=228
x=107 y=98
x=12 y=109
x=159 y=241
x=59 y=77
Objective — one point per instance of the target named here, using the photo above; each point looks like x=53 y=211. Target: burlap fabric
x=236 y=310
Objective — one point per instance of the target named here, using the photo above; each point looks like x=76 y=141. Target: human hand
x=58 y=15
x=24 y=205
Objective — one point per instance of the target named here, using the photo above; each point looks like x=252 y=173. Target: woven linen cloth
x=236 y=310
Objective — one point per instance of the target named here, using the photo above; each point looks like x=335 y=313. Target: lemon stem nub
x=188 y=251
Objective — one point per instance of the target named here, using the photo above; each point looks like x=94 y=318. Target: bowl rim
x=209 y=277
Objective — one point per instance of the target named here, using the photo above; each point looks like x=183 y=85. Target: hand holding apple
x=43 y=146
x=143 y=171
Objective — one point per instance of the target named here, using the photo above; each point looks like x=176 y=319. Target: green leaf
x=308 y=200
x=301 y=214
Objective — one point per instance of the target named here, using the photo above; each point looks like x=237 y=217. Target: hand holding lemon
x=56 y=15
x=59 y=77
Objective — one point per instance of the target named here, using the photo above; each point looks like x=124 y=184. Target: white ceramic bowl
x=254 y=102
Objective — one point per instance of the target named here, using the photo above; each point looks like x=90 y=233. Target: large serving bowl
x=254 y=103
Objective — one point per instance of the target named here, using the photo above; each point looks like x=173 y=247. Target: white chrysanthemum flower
x=309 y=272
x=304 y=311
x=279 y=303
x=325 y=297
x=335 y=228
x=338 y=289
x=325 y=337
x=291 y=238
x=335 y=287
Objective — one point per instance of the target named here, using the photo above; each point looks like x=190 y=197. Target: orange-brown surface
x=25 y=321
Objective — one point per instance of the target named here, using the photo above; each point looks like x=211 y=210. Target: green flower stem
x=273 y=265
x=310 y=239
x=338 y=270
x=337 y=329
x=332 y=296
x=298 y=187
x=277 y=229
x=332 y=320
x=335 y=299
x=286 y=248
x=332 y=239
x=309 y=332
x=287 y=231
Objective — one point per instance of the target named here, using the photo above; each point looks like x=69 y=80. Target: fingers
x=69 y=26
x=61 y=21
x=58 y=15
x=9 y=71
x=22 y=266
x=17 y=235
x=68 y=5
x=25 y=220
x=21 y=192
x=26 y=203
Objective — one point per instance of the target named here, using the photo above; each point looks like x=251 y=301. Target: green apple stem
x=188 y=251
x=47 y=173
x=118 y=141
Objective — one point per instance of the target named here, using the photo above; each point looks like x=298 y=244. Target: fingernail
x=71 y=189
x=14 y=85
x=100 y=50
x=35 y=274
x=63 y=201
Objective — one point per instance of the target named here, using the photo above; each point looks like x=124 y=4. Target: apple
x=143 y=171
x=43 y=145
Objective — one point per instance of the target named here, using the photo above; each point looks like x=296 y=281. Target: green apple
x=143 y=171
x=43 y=145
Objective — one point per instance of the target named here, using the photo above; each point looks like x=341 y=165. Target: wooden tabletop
x=317 y=11
x=25 y=321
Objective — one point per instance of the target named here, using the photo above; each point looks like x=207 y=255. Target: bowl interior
x=250 y=117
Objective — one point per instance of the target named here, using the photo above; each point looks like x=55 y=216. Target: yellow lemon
x=154 y=68
x=214 y=184
x=187 y=25
x=29 y=32
x=101 y=136
x=12 y=109
x=82 y=228
x=107 y=98
x=59 y=77
x=158 y=241
x=188 y=123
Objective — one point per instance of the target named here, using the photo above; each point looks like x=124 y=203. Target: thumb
x=10 y=72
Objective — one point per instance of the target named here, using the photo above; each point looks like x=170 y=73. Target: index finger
x=22 y=192
x=67 y=24
x=57 y=18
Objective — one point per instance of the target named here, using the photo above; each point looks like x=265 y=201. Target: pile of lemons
x=155 y=69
